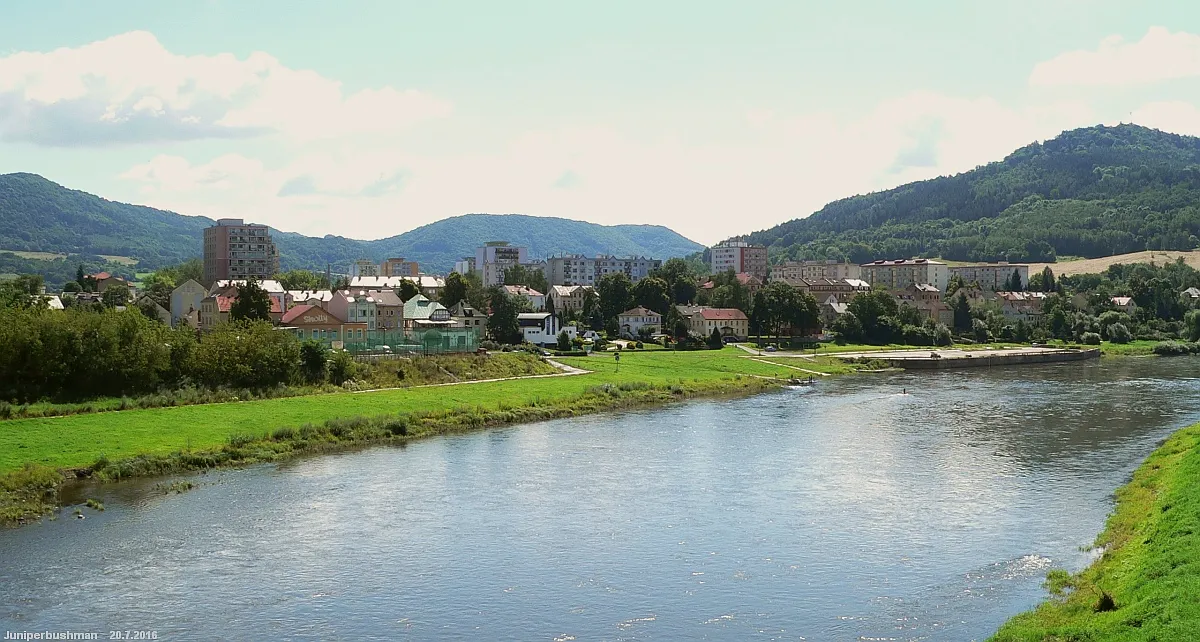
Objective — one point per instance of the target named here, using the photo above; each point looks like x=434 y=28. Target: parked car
x=772 y=349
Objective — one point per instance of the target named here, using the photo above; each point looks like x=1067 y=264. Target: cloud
x=1159 y=56
x=1173 y=116
x=131 y=89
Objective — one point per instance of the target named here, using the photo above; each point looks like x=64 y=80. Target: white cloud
x=1159 y=56
x=129 y=88
x=1173 y=116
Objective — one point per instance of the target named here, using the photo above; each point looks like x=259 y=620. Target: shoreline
x=30 y=490
x=1143 y=586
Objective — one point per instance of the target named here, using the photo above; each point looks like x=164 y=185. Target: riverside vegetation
x=116 y=445
x=1146 y=583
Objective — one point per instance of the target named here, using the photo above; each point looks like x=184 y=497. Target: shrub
x=1090 y=338
x=1118 y=333
x=342 y=368
x=1175 y=348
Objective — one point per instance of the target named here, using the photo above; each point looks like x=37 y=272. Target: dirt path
x=567 y=371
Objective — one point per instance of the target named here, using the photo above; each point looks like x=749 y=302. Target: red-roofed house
x=751 y=282
x=215 y=308
x=104 y=279
x=732 y=322
x=311 y=321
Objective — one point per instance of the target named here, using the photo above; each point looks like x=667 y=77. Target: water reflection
x=848 y=511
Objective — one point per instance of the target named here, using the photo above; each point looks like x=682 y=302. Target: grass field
x=1146 y=585
x=37 y=256
x=120 y=260
x=79 y=440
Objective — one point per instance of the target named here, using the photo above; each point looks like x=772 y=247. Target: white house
x=185 y=302
x=355 y=306
x=537 y=300
x=632 y=321
x=1124 y=304
x=542 y=328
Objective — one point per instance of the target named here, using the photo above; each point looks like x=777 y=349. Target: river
x=848 y=511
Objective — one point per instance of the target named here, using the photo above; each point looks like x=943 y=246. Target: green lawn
x=79 y=440
x=1150 y=569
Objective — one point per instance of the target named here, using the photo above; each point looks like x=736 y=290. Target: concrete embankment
x=938 y=359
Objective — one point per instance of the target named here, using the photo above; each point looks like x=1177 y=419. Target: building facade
x=542 y=328
x=844 y=290
x=632 y=321
x=730 y=322
x=993 y=276
x=399 y=267
x=354 y=306
x=795 y=270
x=576 y=269
x=234 y=249
x=901 y=273
x=494 y=258
x=185 y=303
x=739 y=256
x=568 y=298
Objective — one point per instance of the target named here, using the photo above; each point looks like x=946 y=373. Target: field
x=1146 y=584
x=79 y=440
x=120 y=260
x=1098 y=265
x=37 y=256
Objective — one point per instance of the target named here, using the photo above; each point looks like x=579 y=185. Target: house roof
x=423 y=281
x=744 y=278
x=903 y=262
x=569 y=290
x=924 y=287
x=225 y=302
x=722 y=314
x=522 y=290
x=100 y=276
x=271 y=286
x=308 y=295
x=386 y=298
x=301 y=310
x=185 y=284
x=639 y=312
x=52 y=301
x=463 y=309
x=420 y=308
x=858 y=283
x=1122 y=300
x=1192 y=292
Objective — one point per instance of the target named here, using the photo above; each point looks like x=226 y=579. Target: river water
x=849 y=511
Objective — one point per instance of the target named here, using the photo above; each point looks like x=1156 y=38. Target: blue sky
x=367 y=119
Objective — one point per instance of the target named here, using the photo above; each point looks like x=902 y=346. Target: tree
x=252 y=303
x=312 y=361
x=715 y=340
x=592 y=312
x=1014 y=282
x=1048 y=284
x=680 y=279
x=246 y=354
x=787 y=309
x=531 y=277
x=956 y=283
x=1119 y=333
x=503 y=325
x=848 y=328
x=159 y=287
x=342 y=368
x=876 y=311
x=116 y=294
x=454 y=291
x=980 y=329
x=760 y=314
x=962 y=313
x=652 y=293
x=616 y=295
x=80 y=275
x=550 y=306
x=22 y=292
x=680 y=330
x=407 y=290
x=302 y=280
x=564 y=341
x=1191 y=325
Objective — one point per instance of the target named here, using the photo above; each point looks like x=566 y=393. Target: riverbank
x=1146 y=584
x=37 y=455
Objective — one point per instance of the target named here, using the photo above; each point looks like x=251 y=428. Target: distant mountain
x=1089 y=192
x=38 y=215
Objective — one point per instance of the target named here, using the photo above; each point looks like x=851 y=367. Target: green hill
x=1089 y=192
x=38 y=215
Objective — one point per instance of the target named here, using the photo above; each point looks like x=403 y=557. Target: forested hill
x=38 y=215
x=1089 y=192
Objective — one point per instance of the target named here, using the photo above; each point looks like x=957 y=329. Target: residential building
x=353 y=306
x=364 y=267
x=234 y=249
x=542 y=328
x=103 y=280
x=465 y=316
x=537 y=300
x=831 y=308
x=53 y=302
x=901 y=273
x=820 y=289
x=430 y=286
x=992 y=276
x=812 y=270
x=214 y=309
x=752 y=283
x=146 y=303
x=494 y=258
x=399 y=267
x=389 y=310
x=465 y=266
x=1124 y=304
x=568 y=298
x=185 y=303
x=731 y=322
x=577 y=269
x=273 y=288
x=632 y=321
x=739 y=256
x=927 y=300
x=1021 y=306
x=420 y=313
x=1191 y=294
x=313 y=322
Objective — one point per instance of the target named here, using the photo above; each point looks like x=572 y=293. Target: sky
x=366 y=118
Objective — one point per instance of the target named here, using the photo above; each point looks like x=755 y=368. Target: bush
x=639 y=345
x=570 y=353
x=1090 y=338
x=1175 y=348
x=1119 y=333
x=342 y=368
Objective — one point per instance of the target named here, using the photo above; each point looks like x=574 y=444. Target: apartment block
x=399 y=267
x=901 y=273
x=992 y=276
x=576 y=269
x=494 y=258
x=739 y=257
x=811 y=270
x=234 y=249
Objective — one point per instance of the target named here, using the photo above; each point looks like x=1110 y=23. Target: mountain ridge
x=37 y=214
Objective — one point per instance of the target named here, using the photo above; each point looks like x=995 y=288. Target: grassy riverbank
x=157 y=440
x=1146 y=585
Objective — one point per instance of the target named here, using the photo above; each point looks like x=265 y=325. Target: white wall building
x=812 y=270
x=901 y=273
x=576 y=269
x=740 y=257
x=542 y=328
x=494 y=258
x=991 y=276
